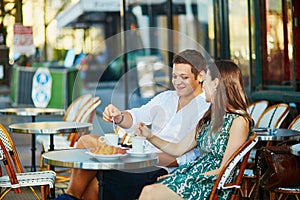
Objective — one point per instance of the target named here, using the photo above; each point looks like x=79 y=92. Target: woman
x=222 y=130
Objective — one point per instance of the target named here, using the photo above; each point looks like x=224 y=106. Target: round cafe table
x=79 y=158
x=280 y=134
x=51 y=128
x=33 y=113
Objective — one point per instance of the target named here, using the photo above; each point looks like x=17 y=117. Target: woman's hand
x=164 y=176
x=142 y=130
x=111 y=113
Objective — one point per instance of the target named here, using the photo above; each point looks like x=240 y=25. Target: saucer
x=102 y=157
x=138 y=154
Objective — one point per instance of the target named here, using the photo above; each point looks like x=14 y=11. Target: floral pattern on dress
x=187 y=180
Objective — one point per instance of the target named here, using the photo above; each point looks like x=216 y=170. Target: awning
x=84 y=12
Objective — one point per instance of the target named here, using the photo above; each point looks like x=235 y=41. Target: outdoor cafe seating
x=253 y=180
x=82 y=109
x=256 y=109
x=16 y=177
x=285 y=192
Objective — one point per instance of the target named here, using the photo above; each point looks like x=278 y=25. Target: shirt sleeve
x=143 y=113
x=188 y=157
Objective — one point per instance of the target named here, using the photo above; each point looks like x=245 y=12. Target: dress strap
x=245 y=114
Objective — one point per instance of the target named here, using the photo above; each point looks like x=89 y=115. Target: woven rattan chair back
x=273 y=116
x=256 y=109
x=16 y=178
x=230 y=176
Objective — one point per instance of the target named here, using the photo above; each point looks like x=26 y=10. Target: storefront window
x=277 y=69
x=239 y=36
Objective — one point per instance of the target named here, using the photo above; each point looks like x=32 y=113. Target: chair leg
x=44 y=191
x=248 y=188
x=34 y=192
x=42 y=164
x=5 y=192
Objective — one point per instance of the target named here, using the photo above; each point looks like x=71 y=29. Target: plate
x=260 y=129
x=102 y=157
x=137 y=154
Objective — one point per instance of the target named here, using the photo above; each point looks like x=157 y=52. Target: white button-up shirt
x=161 y=114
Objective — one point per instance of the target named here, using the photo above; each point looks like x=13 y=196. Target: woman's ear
x=215 y=83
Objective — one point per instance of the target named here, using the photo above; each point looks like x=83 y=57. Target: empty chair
x=230 y=176
x=75 y=106
x=85 y=113
x=273 y=116
x=295 y=124
x=256 y=109
x=16 y=178
x=70 y=115
x=286 y=192
x=250 y=179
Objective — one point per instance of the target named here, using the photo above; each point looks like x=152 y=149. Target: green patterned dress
x=187 y=181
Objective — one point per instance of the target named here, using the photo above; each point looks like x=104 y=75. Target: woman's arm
x=238 y=134
x=173 y=149
x=166 y=160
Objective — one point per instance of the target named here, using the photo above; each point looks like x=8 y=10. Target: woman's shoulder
x=237 y=118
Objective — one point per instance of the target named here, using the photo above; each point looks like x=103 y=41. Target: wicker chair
x=16 y=178
x=251 y=181
x=295 y=124
x=231 y=175
x=82 y=110
x=286 y=192
x=256 y=109
x=273 y=116
x=86 y=114
x=70 y=115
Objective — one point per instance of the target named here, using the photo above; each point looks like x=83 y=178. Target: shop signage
x=23 y=40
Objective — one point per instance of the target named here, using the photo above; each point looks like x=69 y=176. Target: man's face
x=184 y=80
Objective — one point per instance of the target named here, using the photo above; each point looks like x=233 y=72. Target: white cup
x=111 y=139
x=138 y=144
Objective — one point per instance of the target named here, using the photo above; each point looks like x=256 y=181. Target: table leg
x=33 y=148
x=100 y=177
x=51 y=148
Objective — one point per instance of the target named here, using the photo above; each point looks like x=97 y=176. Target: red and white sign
x=23 y=40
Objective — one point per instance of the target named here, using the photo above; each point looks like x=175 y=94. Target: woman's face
x=209 y=86
x=184 y=80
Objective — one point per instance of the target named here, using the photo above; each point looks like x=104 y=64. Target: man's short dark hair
x=193 y=58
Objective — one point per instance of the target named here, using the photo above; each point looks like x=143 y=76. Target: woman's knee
x=149 y=191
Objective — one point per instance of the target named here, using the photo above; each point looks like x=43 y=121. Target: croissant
x=105 y=149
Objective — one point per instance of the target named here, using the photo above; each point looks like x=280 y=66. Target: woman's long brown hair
x=229 y=97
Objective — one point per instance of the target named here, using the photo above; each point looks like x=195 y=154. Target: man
x=171 y=115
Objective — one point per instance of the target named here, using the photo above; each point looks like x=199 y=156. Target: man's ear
x=201 y=76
